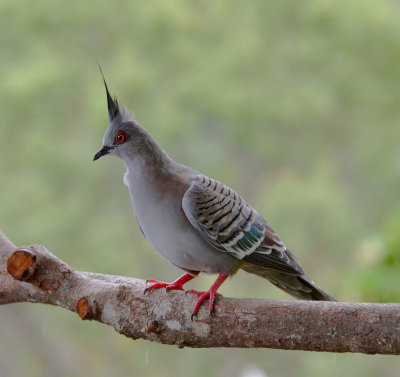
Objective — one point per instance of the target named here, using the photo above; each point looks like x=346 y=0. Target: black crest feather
x=112 y=103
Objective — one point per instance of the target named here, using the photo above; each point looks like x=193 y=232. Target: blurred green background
x=294 y=104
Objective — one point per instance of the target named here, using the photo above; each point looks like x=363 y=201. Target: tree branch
x=33 y=274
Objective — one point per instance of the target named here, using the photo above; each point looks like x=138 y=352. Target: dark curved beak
x=102 y=152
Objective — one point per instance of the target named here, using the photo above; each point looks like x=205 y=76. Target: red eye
x=121 y=137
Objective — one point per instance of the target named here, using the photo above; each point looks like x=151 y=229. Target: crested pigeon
x=195 y=222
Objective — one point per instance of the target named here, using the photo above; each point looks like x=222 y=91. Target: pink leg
x=211 y=293
x=175 y=285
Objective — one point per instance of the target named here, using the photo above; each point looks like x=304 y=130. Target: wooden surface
x=33 y=274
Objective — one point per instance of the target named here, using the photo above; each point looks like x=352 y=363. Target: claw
x=210 y=295
x=172 y=287
x=176 y=285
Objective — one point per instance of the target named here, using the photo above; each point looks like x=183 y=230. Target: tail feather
x=300 y=286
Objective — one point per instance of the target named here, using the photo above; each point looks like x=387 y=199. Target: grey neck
x=147 y=156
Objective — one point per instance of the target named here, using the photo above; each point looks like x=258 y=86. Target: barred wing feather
x=226 y=221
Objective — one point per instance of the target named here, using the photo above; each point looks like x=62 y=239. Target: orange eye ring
x=121 y=137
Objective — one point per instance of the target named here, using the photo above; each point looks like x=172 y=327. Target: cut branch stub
x=21 y=264
x=82 y=307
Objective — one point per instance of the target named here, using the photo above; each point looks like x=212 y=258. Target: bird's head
x=122 y=130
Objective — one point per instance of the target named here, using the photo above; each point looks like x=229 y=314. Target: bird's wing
x=227 y=222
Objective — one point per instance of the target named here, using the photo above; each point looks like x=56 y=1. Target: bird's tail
x=298 y=286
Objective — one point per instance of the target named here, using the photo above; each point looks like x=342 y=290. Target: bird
x=195 y=222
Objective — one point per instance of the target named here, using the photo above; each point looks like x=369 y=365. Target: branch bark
x=33 y=274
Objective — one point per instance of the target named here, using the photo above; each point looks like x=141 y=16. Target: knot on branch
x=153 y=327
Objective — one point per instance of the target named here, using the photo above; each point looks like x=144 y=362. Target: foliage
x=379 y=277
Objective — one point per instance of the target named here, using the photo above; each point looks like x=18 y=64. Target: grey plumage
x=195 y=222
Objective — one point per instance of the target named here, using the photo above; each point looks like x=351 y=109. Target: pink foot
x=210 y=294
x=176 y=285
